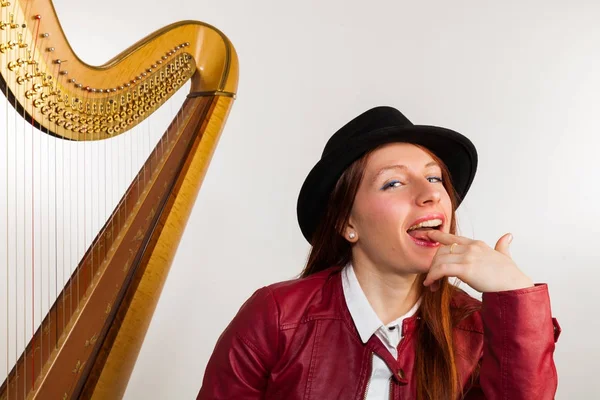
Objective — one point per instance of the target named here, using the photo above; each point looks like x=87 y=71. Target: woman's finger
x=442 y=270
x=447 y=238
x=448 y=259
x=455 y=248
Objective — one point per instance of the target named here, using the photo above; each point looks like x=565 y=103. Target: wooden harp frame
x=93 y=349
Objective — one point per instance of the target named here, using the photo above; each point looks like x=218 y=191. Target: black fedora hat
x=375 y=127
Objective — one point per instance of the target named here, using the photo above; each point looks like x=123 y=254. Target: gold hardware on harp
x=11 y=24
x=13 y=65
x=20 y=43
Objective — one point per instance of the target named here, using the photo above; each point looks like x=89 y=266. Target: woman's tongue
x=421 y=234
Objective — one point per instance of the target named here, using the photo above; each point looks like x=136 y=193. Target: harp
x=72 y=321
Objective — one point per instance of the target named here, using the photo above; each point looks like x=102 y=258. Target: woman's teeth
x=432 y=223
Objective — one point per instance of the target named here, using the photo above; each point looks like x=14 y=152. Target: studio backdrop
x=520 y=79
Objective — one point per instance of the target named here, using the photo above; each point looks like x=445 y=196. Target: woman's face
x=401 y=186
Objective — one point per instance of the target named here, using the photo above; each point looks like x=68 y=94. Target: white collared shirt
x=368 y=323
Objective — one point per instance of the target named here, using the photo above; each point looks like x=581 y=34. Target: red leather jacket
x=296 y=340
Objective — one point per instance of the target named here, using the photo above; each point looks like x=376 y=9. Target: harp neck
x=68 y=98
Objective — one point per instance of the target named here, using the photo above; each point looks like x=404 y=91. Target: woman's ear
x=350 y=233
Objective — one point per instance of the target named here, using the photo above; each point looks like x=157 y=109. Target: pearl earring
x=352 y=235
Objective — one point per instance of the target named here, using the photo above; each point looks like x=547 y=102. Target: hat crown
x=371 y=120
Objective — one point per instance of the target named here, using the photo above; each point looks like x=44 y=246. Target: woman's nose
x=428 y=192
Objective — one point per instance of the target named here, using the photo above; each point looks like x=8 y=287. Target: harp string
x=24 y=269
x=76 y=146
x=85 y=164
x=40 y=222
x=72 y=146
x=148 y=140
x=9 y=306
x=16 y=236
x=48 y=265
x=63 y=201
x=105 y=173
x=7 y=241
x=54 y=179
x=93 y=222
x=36 y=29
x=25 y=252
x=16 y=241
x=7 y=349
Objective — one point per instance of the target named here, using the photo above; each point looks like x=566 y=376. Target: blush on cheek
x=382 y=216
x=385 y=221
x=381 y=212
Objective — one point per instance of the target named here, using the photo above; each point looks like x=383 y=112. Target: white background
x=520 y=79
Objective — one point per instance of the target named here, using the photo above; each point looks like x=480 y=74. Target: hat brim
x=454 y=149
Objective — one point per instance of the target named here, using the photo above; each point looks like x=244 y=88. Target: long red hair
x=435 y=369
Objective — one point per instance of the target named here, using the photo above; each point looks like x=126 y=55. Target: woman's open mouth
x=424 y=241
x=418 y=233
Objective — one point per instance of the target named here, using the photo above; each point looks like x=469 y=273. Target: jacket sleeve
x=518 y=346
x=245 y=352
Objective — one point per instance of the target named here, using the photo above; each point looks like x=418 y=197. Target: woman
x=373 y=315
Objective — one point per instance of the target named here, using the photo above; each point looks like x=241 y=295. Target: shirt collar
x=365 y=319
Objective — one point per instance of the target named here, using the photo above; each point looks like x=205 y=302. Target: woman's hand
x=475 y=263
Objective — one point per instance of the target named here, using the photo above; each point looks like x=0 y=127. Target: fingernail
x=510 y=238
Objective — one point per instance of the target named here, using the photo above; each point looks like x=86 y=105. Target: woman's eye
x=397 y=183
x=391 y=184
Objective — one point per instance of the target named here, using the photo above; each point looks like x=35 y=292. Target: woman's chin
x=422 y=269
x=422 y=265
x=420 y=259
